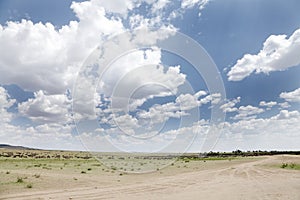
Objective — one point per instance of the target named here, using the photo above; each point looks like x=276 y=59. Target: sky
x=150 y=75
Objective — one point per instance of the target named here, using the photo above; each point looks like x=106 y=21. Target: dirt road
x=241 y=181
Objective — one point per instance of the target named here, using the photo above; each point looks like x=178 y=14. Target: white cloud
x=288 y=115
x=161 y=113
x=230 y=105
x=247 y=112
x=279 y=53
x=116 y=6
x=137 y=77
x=45 y=136
x=159 y=5
x=267 y=104
x=153 y=117
x=5 y=103
x=293 y=96
x=284 y=105
x=280 y=132
x=40 y=57
x=46 y=59
x=213 y=98
x=126 y=123
x=183 y=103
x=48 y=135
x=187 y=101
x=47 y=108
x=5 y=100
x=191 y=3
x=144 y=35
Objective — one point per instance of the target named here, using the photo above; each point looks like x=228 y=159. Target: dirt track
x=246 y=180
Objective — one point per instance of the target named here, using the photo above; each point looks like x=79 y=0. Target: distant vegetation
x=8 y=151
x=242 y=153
x=290 y=166
x=24 y=152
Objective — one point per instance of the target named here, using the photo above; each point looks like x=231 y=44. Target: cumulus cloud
x=247 y=112
x=230 y=105
x=278 y=54
x=285 y=114
x=126 y=123
x=151 y=118
x=192 y=3
x=269 y=104
x=41 y=57
x=244 y=112
x=160 y=113
x=47 y=108
x=280 y=132
x=159 y=5
x=284 y=105
x=293 y=96
x=45 y=59
x=117 y=6
x=212 y=98
x=44 y=136
x=137 y=77
x=5 y=103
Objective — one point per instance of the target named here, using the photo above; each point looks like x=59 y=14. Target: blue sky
x=55 y=95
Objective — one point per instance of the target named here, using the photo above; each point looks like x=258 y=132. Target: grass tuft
x=284 y=165
x=20 y=180
x=37 y=175
x=290 y=166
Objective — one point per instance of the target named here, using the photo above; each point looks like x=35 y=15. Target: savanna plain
x=40 y=174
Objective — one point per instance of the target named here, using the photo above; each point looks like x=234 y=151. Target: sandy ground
x=259 y=178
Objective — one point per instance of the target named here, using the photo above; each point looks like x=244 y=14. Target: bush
x=284 y=165
x=29 y=185
x=37 y=175
x=20 y=180
x=292 y=165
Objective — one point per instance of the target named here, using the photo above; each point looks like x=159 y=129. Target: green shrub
x=284 y=165
x=292 y=165
x=20 y=180
x=37 y=175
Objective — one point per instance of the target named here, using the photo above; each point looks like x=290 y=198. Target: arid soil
x=241 y=179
